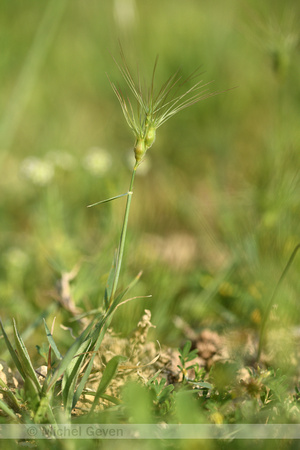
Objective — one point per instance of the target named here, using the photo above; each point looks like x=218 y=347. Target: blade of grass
x=108 y=374
x=98 y=336
x=118 y=299
x=51 y=342
x=109 y=199
x=8 y=410
x=7 y=393
x=13 y=353
x=67 y=358
x=110 y=281
x=24 y=358
x=71 y=376
x=123 y=237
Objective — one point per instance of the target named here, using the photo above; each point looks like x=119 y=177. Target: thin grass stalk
x=123 y=237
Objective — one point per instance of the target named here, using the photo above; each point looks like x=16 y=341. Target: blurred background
x=215 y=213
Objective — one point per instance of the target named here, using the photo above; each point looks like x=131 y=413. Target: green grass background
x=216 y=214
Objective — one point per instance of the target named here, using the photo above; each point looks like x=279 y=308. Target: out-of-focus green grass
x=215 y=214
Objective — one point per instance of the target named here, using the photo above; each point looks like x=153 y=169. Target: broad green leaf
x=25 y=359
x=51 y=342
x=13 y=353
x=201 y=384
x=108 y=374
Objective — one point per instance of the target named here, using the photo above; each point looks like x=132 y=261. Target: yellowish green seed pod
x=150 y=136
x=139 y=149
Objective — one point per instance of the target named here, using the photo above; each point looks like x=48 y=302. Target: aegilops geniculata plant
x=153 y=108
x=67 y=376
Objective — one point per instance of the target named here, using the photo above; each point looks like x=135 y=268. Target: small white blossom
x=125 y=13
x=38 y=171
x=97 y=162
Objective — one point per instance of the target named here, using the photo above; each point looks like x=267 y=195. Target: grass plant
x=63 y=372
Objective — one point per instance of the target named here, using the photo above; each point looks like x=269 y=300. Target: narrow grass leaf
x=8 y=410
x=71 y=376
x=110 y=282
x=108 y=200
x=67 y=358
x=32 y=394
x=111 y=399
x=25 y=359
x=97 y=338
x=108 y=374
x=13 y=353
x=85 y=314
x=51 y=342
x=9 y=395
x=119 y=297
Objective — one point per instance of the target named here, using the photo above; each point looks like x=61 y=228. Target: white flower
x=97 y=162
x=125 y=12
x=38 y=171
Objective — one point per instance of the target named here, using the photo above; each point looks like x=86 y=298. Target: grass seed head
x=139 y=149
x=153 y=108
x=150 y=136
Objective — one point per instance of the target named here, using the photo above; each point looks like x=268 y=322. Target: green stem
x=123 y=237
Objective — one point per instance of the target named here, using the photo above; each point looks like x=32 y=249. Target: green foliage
x=186 y=355
x=214 y=220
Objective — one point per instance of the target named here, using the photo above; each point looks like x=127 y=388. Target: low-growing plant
x=186 y=355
